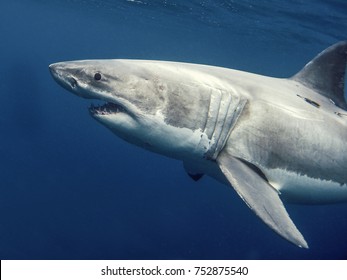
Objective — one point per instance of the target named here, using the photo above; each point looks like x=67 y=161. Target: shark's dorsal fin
x=326 y=73
x=260 y=197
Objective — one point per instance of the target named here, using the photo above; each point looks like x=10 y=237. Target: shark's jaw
x=107 y=109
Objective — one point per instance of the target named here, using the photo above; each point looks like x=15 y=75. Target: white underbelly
x=297 y=188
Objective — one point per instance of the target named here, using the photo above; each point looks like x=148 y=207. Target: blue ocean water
x=70 y=189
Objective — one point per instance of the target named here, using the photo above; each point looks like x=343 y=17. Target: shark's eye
x=97 y=76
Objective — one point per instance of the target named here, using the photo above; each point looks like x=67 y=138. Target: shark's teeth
x=106 y=109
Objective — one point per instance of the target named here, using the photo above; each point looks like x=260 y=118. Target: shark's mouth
x=106 y=109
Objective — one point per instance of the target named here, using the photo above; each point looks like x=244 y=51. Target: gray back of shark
x=268 y=138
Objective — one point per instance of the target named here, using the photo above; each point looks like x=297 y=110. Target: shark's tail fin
x=326 y=73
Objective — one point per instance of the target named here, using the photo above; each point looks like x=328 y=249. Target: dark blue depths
x=69 y=189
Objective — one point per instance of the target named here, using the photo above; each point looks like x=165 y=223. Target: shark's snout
x=54 y=69
x=62 y=76
x=51 y=67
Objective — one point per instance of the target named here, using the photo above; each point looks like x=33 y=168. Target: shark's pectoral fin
x=260 y=196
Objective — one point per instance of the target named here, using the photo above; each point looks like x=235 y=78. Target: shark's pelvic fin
x=195 y=177
x=192 y=172
x=260 y=197
x=326 y=73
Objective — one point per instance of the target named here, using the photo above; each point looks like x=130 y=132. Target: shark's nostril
x=72 y=81
x=52 y=69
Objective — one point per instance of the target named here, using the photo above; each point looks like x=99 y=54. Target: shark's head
x=142 y=102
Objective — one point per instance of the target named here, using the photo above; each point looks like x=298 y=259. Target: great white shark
x=270 y=139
